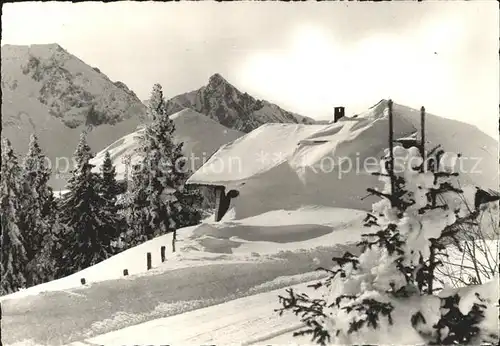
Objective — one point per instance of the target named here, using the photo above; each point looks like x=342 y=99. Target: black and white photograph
x=250 y=173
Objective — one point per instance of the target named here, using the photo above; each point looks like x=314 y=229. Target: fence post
x=174 y=239
x=162 y=253
x=148 y=260
x=82 y=280
x=125 y=272
x=422 y=136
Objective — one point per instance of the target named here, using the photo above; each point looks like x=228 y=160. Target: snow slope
x=201 y=136
x=252 y=321
x=215 y=263
x=243 y=321
x=289 y=165
x=214 y=242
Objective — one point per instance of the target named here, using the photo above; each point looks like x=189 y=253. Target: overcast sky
x=306 y=57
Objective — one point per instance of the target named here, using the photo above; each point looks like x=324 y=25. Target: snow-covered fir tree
x=53 y=252
x=135 y=211
x=188 y=198
x=13 y=253
x=109 y=185
x=36 y=172
x=158 y=201
x=387 y=290
x=37 y=215
x=109 y=190
x=88 y=233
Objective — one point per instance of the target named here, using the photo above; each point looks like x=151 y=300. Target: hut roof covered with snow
x=254 y=154
x=279 y=166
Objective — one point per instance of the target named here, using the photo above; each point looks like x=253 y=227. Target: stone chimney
x=338 y=114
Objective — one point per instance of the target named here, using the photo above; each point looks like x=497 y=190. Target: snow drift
x=289 y=165
x=201 y=136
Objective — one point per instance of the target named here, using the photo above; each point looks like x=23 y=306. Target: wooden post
x=82 y=280
x=162 y=253
x=432 y=255
x=174 y=239
x=125 y=272
x=391 y=150
x=432 y=259
x=148 y=260
x=219 y=195
x=422 y=137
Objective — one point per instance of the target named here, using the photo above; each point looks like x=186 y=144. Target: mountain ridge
x=223 y=102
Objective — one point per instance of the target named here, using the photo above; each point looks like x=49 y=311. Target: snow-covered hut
x=286 y=166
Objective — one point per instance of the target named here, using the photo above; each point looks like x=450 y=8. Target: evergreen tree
x=36 y=172
x=135 y=210
x=109 y=191
x=83 y=216
x=188 y=199
x=14 y=258
x=411 y=223
x=38 y=211
x=158 y=202
x=53 y=251
x=109 y=186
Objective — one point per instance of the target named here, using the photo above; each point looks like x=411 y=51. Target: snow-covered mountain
x=232 y=108
x=50 y=92
x=201 y=136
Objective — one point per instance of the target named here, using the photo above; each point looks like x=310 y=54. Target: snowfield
x=214 y=263
x=229 y=242
x=245 y=321
x=224 y=279
x=253 y=321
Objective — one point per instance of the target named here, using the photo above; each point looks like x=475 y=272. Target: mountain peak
x=54 y=45
x=216 y=80
x=224 y=103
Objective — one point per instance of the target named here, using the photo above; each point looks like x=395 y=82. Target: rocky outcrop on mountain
x=232 y=108
x=52 y=93
x=67 y=87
